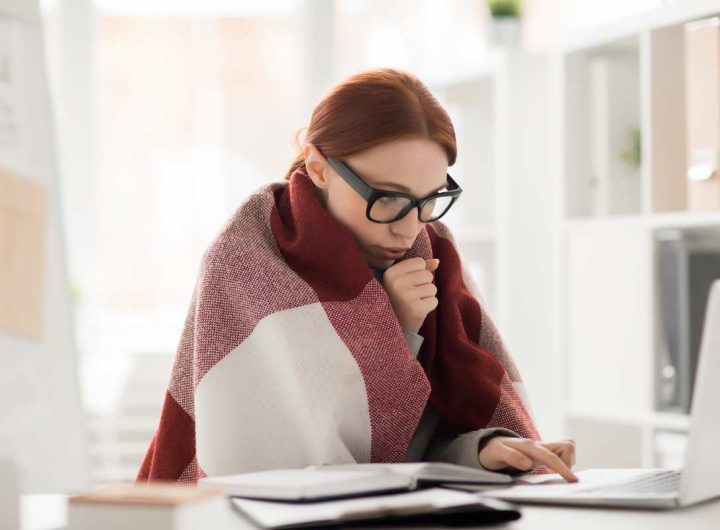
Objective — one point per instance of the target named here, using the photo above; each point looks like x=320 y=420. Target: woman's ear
x=317 y=166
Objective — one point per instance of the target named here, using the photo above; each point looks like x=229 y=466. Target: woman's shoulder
x=441 y=229
x=247 y=230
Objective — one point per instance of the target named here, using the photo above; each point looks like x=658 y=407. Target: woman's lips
x=393 y=253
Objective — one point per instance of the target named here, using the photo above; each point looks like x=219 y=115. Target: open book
x=348 y=480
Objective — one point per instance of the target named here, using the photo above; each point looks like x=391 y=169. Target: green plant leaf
x=504 y=8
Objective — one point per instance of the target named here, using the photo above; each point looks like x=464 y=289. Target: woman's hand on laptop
x=523 y=453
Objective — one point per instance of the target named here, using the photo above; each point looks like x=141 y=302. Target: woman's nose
x=408 y=227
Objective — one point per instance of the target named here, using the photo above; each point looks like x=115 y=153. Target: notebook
x=347 y=480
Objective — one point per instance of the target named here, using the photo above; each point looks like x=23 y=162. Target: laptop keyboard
x=666 y=481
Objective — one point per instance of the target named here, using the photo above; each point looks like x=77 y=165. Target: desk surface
x=49 y=512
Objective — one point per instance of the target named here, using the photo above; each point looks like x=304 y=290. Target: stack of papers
x=319 y=496
x=438 y=505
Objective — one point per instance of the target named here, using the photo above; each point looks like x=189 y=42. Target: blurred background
x=575 y=139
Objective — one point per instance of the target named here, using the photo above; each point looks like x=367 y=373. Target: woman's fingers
x=565 y=449
x=496 y=455
x=537 y=452
x=514 y=458
x=556 y=463
x=564 y=453
x=426 y=290
x=568 y=449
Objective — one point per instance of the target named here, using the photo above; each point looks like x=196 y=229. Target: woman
x=334 y=321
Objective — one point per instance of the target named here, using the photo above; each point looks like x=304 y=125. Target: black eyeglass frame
x=371 y=194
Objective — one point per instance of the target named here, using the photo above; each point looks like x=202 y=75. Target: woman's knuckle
x=556 y=459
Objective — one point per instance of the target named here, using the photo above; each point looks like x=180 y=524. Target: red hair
x=373 y=107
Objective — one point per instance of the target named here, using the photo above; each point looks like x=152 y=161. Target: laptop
x=695 y=482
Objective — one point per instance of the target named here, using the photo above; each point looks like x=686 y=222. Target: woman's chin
x=380 y=263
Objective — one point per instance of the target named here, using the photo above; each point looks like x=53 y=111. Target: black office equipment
x=687 y=261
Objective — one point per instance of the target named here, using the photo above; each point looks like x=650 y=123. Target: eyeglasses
x=389 y=206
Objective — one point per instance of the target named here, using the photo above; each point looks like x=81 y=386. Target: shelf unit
x=573 y=162
x=471 y=102
x=622 y=181
x=503 y=221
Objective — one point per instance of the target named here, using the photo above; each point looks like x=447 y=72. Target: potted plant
x=505 y=24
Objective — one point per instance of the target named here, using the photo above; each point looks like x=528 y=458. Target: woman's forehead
x=416 y=166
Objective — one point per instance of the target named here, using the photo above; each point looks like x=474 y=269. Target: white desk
x=49 y=512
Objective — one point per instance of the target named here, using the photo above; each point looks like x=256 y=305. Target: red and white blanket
x=292 y=354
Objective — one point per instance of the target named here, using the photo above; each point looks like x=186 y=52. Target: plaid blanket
x=292 y=354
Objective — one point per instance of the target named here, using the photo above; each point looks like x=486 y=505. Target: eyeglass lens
x=389 y=208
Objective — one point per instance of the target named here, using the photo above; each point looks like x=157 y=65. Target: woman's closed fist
x=411 y=290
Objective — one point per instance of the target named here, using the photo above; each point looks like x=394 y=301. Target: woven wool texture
x=283 y=262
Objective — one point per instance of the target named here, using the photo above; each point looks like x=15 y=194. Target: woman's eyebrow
x=404 y=188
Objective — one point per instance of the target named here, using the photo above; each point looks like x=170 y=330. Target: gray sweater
x=435 y=440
